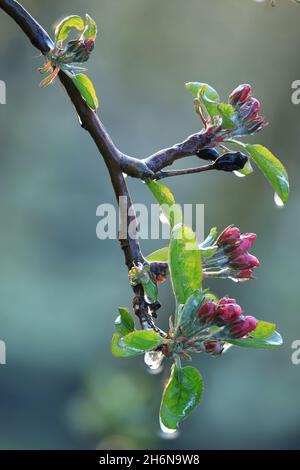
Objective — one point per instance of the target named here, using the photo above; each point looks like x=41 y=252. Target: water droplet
x=168 y=433
x=163 y=218
x=124 y=175
x=278 y=201
x=226 y=347
x=118 y=320
x=153 y=360
x=239 y=174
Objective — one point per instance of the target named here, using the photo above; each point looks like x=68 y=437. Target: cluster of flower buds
x=228 y=314
x=246 y=108
x=232 y=258
x=215 y=324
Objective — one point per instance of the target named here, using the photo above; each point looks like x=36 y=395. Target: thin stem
x=185 y=171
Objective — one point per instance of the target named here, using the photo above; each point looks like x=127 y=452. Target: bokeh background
x=60 y=286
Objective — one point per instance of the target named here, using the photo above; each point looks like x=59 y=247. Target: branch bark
x=116 y=161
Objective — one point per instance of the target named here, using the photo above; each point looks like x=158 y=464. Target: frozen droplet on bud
x=278 y=201
x=124 y=175
x=167 y=433
x=239 y=174
x=226 y=347
x=153 y=360
x=163 y=218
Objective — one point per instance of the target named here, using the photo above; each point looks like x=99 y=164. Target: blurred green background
x=60 y=286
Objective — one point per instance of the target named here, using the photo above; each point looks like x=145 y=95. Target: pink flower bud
x=249 y=109
x=246 y=261
x=244 y=274
x=229 y=235
x=243 y=327
x=240 y=94
x=246 y=241
x=215 y=348
x=227 y=300
x=229 y=313
x=207 y=312
x=256 y=124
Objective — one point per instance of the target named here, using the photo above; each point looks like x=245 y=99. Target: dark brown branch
x=184 y=171
x=115 y=161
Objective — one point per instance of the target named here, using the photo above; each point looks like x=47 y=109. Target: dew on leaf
x=278 y=201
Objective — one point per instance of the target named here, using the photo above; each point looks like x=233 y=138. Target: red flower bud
x=246 y=241
x=256 y=124
x=215 y=348
x=246 y=261
x=240 y=94
x=249 y=109
x=244 y=274
x=227 y=300
x=243 y=327
x=229 y=313
x=207 y=312
x=230 y=235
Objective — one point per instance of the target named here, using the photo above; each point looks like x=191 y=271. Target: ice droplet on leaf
x=278 y=201
x=153 y=360
x=240 y=175
x=163 y=218
x=168 y=433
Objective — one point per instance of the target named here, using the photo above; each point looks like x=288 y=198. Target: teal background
x=60 y=286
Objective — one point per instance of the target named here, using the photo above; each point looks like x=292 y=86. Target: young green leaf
x=135 y=343
x=150 y=289
x=190 y=309
x=207 y=95
x=64 y=27
x=184 y=263
x=226 y=112
x=86 y=88
x=210 y=239
x=263 y=337
x=124 y=322
x=181 y=395
x=159 y=255
x=166 y=200
x=272 y=168
x=90 y=30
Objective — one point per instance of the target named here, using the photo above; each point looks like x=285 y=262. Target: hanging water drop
x=239 y=174
x=163 y=218
x=167 y=433
x=153 y=360
x=278 y=201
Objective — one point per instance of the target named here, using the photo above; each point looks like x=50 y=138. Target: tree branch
x=185 y=171
x=116 y=161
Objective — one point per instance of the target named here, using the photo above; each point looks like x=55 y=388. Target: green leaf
x=86 y=88
x=181 y=395
x=90 y=30
x=263 y=337
x=159 y=255
x=64 y=27
x=190 y=309
x=210 y=239
x=135 y=343
x=124 y=322
x=208 y=252
x=226 y=112
x=272 y=168
x=150 y=289
x=247 y=170
x=207 y=95
x=166 y=200
x=184 y=263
